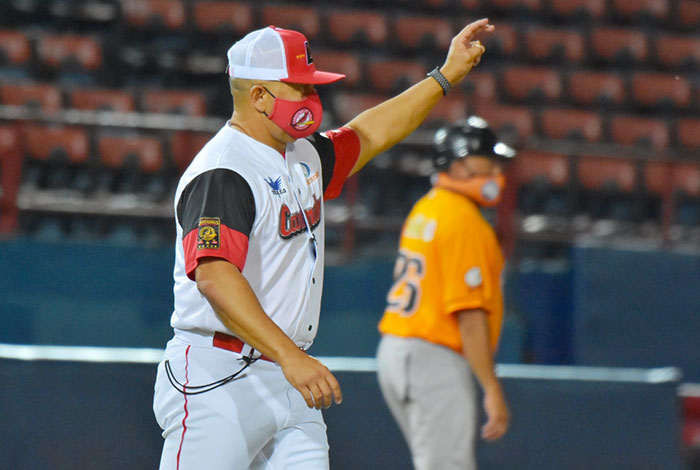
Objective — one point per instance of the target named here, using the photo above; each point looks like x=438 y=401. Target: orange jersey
x=449 y=260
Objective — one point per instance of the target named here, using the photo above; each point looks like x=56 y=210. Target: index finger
x=472 y=29
x=335 y=388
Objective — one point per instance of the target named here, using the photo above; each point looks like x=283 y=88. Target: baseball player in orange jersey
x=445 y=309
x=235 y=388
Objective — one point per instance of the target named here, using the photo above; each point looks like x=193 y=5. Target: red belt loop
x=231 y=343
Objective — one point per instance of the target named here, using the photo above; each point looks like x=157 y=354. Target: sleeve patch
x=473 y=277
x=208 y=233
x=231 y=245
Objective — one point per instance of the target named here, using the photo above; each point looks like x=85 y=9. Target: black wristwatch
x=440 y=78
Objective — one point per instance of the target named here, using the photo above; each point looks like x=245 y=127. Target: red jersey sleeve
x=216 y=212
x=339 y=150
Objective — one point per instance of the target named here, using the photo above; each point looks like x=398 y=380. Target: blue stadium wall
x=602 y=306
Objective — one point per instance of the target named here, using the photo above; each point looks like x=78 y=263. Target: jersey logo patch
x=473 y=278
x=307 y=173
x=208 y=233
x=276 y=185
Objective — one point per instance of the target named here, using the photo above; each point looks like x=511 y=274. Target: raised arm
x=386 y=124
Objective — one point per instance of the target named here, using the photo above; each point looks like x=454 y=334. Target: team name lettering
x=292 y=223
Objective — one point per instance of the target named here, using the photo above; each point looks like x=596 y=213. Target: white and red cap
x=276 y=54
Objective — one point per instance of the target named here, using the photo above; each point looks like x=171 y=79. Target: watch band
x=440 y=78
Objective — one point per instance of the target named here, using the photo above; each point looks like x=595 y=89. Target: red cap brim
x=315 y=78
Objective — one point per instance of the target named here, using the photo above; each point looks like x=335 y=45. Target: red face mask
x=299 y=119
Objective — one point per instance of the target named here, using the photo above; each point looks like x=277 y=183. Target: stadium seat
x=70 y=51
x=349 y=105
x=543 y=180
x=131 y=163
x=66 y=143
x=572 y=9
x=15 y=47
x=96 y=12
x=10 y=177
x=551 y=167
x=688 y=133
x=543 y=44
x=608 y=187
x=660 y=90
x=9 y=141
x=512 y=123
x=299 y=18
x=102 y=100
x=503 y=41
x=168 y=14
x=636 y=10
x=223 y=17
x=534 y=84
x=615 y=45
x=393 y=76
x=596 y=88
x=184 y=146
x=634 y=130
x=357 y=26
x=658 y=177
x=517 y=6
x=342 y=62
x=471 y=5
x=451 y=108
x=688 y=14
x=53 y=155
x=435 y=4
x=656 y=190
x=480 y=85
x=680 y=181
x=115 y=151
x=571 y=124
x=423 y=32
x=686 y=178
x=45 y=97
x=50 y=228
x=190 y=103
x=686 y=182
x=677 y=51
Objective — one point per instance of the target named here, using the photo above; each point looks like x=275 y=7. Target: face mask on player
x=299 y=119
x=486 y=191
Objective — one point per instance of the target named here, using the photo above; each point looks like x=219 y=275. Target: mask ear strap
x=265 y=88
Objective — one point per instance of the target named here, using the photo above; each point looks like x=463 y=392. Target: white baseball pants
x=257 y=421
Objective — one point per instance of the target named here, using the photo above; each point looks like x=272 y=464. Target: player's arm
x=234 y=301
x=476 y=348
x=388 y=123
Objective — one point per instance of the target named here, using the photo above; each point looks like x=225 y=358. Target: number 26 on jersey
x=404 y=296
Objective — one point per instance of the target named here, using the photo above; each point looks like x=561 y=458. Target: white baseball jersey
x=244 y=202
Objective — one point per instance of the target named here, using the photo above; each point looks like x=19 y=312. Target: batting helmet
x=470 y=137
